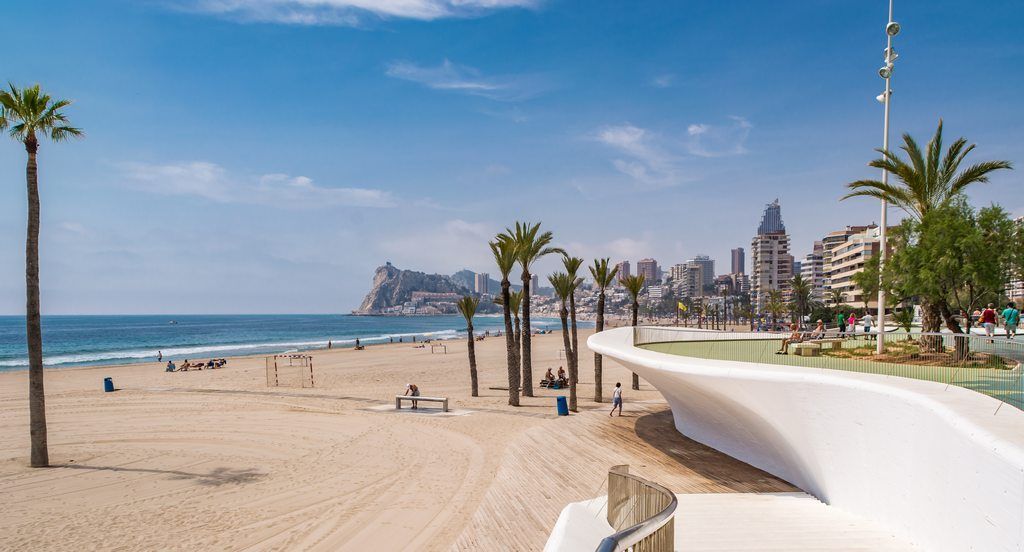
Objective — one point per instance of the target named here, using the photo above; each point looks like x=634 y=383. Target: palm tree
x=572 y=266
x=531 y=244
x=516 y=302
x=634 y=285
x=775 y=305
x=504 y=252
x=467 y=307
x=801 y=296
x=565 y=287
x=603 y=277
x=835 y=296
x=28 y=113
x=925 y=183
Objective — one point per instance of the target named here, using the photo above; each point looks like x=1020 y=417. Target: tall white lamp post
x=892 y=29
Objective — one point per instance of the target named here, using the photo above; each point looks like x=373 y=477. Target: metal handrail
x=630 y=536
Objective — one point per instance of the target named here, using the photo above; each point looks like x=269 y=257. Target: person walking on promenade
x=867 y=321
x=841 y=323
x=1011 y=318
x=988 y=321
x=851 y=323
x=616 y=399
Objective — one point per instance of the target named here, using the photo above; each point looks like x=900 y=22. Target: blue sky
x=266 y=155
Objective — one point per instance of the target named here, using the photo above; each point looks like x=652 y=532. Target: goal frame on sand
x=280 y=368
x=434 y=347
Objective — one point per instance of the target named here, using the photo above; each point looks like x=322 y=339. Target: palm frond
x=976 y=173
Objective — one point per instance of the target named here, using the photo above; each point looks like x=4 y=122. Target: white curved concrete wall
x=938 y=465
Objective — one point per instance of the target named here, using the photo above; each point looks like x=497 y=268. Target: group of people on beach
x=186 y=366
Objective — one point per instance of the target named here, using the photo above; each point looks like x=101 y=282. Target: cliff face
x=393 y=286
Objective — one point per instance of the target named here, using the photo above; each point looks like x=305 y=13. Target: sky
x=265 y=156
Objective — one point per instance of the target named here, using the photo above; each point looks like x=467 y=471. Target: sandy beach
x=217 y=460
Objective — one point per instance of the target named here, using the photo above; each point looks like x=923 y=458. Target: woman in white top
x=616 y=399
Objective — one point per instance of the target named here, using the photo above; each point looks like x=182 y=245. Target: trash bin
x=108 y=384
x=563 y=406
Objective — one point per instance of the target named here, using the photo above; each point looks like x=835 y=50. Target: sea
x=127 y=339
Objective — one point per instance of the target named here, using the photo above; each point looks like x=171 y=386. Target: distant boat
x=173 y=322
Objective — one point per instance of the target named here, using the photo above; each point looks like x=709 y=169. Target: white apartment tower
x=772 y=265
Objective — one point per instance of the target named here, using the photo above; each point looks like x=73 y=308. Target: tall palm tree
x=504 y=252
x=634 y=284
x=28 y=114
x=930 y=180
x=516 y=302
x=927 y=181
x=835 y=296
x=801 y=296
x=565 y=287
x=572 y=267
x=467 y=307
x=775 y=305
x=603 y=277
x=531 y=244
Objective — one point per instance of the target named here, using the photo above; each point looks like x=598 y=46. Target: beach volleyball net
x=290 y=370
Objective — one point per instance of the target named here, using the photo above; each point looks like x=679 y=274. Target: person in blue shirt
x=1011 y=318
x=170 y=366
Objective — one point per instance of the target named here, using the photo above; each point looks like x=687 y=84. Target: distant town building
x=772 y=266
x=691 y=283
x=623 y=270
x=481 y=283
x=1015 y=285
x=535 y=285
x=655 y=292
x=812 y=270
x=845 y=259
x=707 y=266
x=649 y=269
x=738 y=260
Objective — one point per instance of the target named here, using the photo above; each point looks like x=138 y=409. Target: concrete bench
x=400 y=398
x=813 y=347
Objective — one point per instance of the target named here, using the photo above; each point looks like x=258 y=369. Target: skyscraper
x=623 y=270
x=772 y=266
x=649 y=269
x=481 y=283
x=738 y=260
x=812 y=270
x=707 y=266
x=534 y=285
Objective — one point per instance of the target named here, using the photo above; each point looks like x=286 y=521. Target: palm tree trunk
x=636 y=310
x=575 y=340
x=597 y=358
x=510 y=347
x=931 y=319
x=527 y=346
x=564 y=314
x=472 y=361
x=33 y=324
x=519 y=344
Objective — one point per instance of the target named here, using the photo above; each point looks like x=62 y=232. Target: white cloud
x=650 y=162
x=443 y=248
x=466 y=80
x=211 y=181
x=719 y=140
x=655 y=160
x=663 y=81
x=346 y=12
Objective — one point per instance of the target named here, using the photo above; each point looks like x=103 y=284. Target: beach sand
x=217 y=460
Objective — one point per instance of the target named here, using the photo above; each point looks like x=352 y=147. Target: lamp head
x=892 y=29
x=885 y=71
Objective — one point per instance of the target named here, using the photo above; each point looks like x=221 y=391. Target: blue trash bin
x=563 y=405
x=108 y=385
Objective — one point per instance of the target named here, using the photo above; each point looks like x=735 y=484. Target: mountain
x=393 y=287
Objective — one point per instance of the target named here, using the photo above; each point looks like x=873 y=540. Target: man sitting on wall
x=794 y=337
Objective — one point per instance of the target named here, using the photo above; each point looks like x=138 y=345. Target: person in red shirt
x=988 y=320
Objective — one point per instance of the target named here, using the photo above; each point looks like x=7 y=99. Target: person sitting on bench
x=562 y=380
x=413 y=390
x=819 y=331
x=793 y=338
x=549 y=378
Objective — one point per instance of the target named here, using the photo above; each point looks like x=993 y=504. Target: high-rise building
x=1015 y=287
x=677 y=272
x=847 y=258
x=692 y=283
x=623 y=270
x=535 y=285
x=772 y=266
x=812 y=270
x=830 y=244
x=738 y=260
x=481 y=282
x=649 y=269
x=708 y=266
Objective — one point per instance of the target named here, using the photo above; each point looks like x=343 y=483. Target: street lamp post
x=892 y=29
